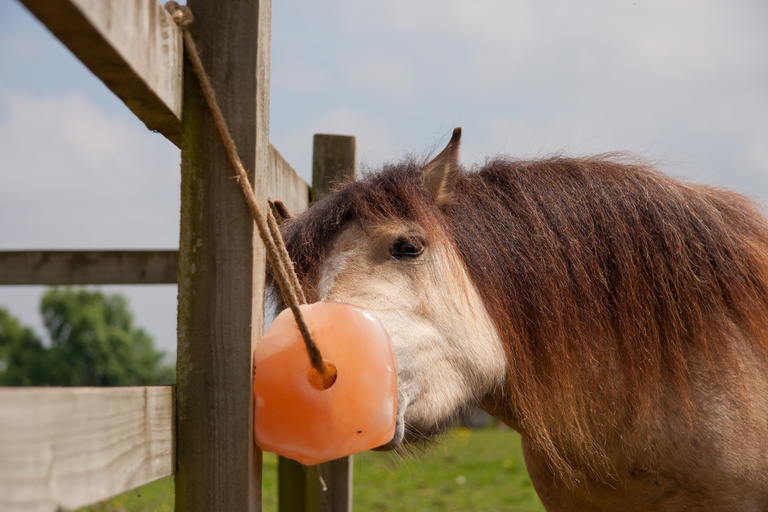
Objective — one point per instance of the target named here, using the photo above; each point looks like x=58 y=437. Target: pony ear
x=280 y=211
x=439 y=176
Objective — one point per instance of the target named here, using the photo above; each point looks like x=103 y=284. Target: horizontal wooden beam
x=64 y=448
x=133 y=46
x=88 y=267
x=130 y=266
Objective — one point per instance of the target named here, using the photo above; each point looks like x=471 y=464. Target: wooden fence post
x=221 y=262
x=334 y=159
x=325 y=487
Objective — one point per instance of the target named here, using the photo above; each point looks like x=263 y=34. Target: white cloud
x=72 y=176
x=82 y=177
x=669 y=77
x=753 y=153
x=389 y=75
x=375 y=142
x=560 y=45
x=298 y=77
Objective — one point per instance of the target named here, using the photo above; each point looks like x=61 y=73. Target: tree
x=23 y=359
x=93 y=343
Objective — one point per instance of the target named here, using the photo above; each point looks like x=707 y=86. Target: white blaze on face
x=448 y=350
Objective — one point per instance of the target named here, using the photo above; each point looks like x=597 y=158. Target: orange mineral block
x=297 y=418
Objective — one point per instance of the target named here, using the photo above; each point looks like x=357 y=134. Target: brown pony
x=615 y=317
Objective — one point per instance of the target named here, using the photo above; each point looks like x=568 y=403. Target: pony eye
x=406 y=248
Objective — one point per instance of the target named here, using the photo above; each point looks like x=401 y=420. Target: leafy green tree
x=94 y=342
x=23 y=359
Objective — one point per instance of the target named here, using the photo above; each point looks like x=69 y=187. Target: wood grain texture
x=133 y=46
x=284 y=183
x=329 y=486
x=221 y=262
x=334 y=159
x=70 y=447
x=292 y=485
x=88 y=267
x=325 y=487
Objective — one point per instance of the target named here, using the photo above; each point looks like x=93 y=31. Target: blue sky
x=683 y=82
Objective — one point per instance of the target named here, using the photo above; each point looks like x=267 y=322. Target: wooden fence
x=63 y=448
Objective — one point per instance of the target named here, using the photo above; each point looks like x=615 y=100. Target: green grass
x=470 y=470
x=153 y=497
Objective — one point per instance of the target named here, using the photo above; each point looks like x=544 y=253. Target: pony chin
x=410 y=436
x=399 y=435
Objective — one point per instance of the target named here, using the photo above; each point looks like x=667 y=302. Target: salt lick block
x=294 y=418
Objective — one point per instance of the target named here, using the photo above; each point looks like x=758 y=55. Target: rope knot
x=181 y=14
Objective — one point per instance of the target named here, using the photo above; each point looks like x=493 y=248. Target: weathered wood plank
x=88 y=267
x=221 y=262
x=334 y=159
x=70 y=447
x=326 y=487
x=329 y=486
x=284 y=183
x=292 y=485
x=133 y=46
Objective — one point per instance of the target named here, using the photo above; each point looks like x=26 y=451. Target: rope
x=284 y=256
x=267 y=227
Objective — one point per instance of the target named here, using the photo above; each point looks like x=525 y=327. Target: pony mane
x=604 y=279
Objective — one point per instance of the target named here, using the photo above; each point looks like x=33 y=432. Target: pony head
x=381 y=246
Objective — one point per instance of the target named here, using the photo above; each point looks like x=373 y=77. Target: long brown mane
x=604 y=279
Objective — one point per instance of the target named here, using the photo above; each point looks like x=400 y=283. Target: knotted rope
x=267 y=227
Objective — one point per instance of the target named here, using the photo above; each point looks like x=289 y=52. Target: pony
x=615 y=317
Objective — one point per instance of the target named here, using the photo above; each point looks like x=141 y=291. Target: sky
x=681 y=82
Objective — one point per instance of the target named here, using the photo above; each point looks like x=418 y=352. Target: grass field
x=470 y=470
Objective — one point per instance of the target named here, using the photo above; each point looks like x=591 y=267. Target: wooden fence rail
x=69 y=447
x=133 y=266
x=88 y=267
